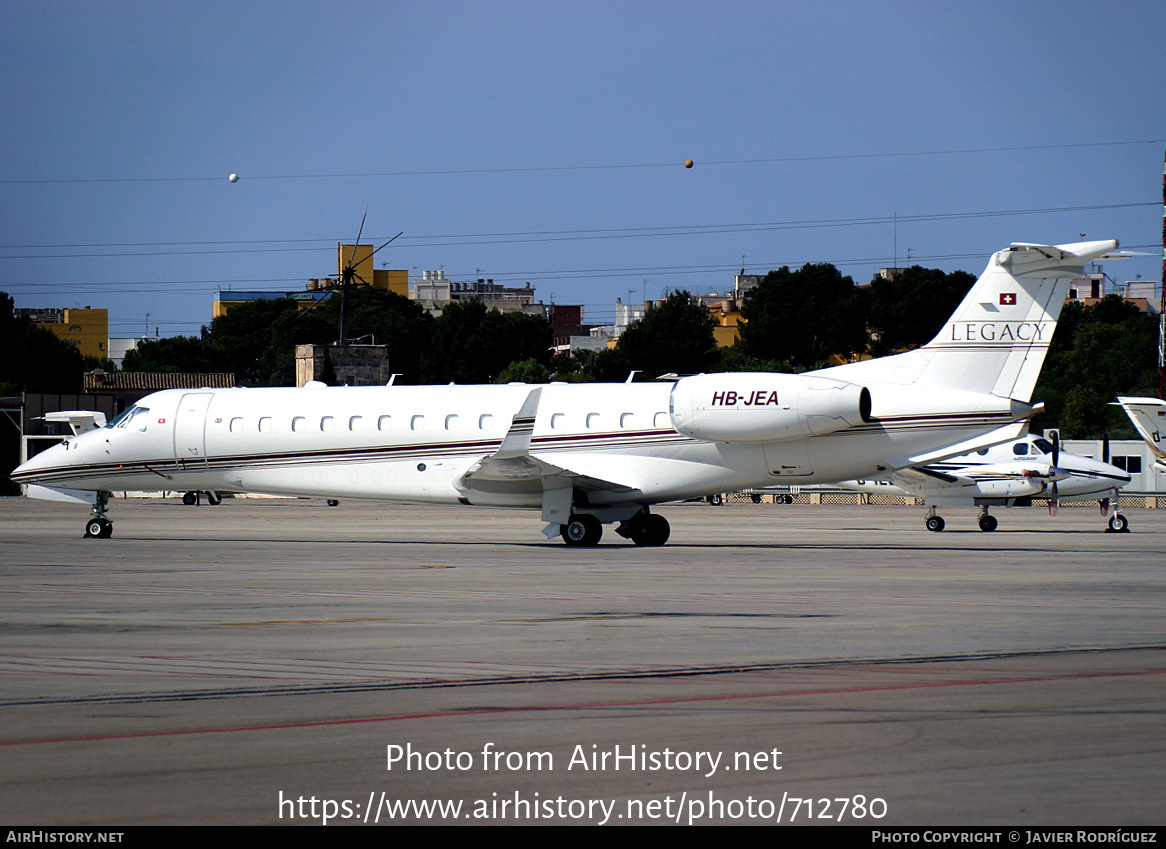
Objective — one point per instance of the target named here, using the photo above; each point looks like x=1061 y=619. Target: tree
x=675 y=336
x=33 y=359
x=1097 y=353
x=910 y=309
x=257 y=340
x=473 y=344
x=525 y=371
x=187 y=354
x=803 y=317
x=608 y=365
x=389 y=319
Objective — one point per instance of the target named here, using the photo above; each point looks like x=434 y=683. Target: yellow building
x=361 y=258
x=729 y=320
x=86 y=328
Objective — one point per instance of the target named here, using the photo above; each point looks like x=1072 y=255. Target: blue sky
x=545 y=142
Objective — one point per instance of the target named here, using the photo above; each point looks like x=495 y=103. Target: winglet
x=516 y=443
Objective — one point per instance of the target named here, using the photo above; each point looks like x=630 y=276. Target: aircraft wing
x=513 y=468
x=1001 y=434
x=914 y=477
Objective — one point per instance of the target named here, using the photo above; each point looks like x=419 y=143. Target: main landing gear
x=934 y=521
x=98 y=526
x=195 y=497
x=644 y=528
x=581 y=529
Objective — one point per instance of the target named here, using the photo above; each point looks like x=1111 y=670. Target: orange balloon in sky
x=688 y=163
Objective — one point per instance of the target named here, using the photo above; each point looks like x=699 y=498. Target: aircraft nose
x=39 y=466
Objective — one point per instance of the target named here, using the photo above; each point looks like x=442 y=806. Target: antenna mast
x=1162 y=303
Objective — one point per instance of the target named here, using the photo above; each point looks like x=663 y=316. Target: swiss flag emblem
x=1007 y=299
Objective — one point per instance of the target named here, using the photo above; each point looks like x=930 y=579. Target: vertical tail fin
x=1149 y=417
x=996 y=340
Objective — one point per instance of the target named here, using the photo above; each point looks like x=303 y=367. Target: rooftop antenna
x=895 y=238
x=1162 y=308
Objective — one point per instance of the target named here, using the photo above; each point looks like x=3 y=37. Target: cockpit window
x=132 y=419
x=1042 y=446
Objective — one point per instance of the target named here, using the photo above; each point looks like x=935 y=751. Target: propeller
x=1104 y=502
x=1056 y=457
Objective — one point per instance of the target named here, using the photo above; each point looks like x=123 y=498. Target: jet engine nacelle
x=765 y=407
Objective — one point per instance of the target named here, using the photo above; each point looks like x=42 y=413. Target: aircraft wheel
x=935 y=523
x=332 y=502
x=988 y=523
x=716 y=500
x=1119 y=524
x=98 y=529
x=581 y=530
x=189 y=499
x=652 y=530
x=755 y=498
x=787 y=499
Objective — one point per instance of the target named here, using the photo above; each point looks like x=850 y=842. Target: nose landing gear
x=98 y=526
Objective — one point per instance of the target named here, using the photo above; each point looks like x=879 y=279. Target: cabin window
x=592 y=420
x=327 y=423
x=417 y=423
x=451 y=421
x=299 y=423
x=356 y=424
x=484 y=421
x=1020 y=449
x=660 y=420
x=237 y=425
x=383 y=422
x=625 y=420
x=557 y=421
x=265 y=424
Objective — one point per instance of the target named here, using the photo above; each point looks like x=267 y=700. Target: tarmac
x=282 y=662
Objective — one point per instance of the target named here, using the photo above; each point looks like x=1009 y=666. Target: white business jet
x=1006 y=475
x=1149 y=417
x=592 y=454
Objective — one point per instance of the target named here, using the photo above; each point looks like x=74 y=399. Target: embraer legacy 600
x=591 y=454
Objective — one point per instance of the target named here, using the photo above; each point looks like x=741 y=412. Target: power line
x=598 y=167
x=587 y=235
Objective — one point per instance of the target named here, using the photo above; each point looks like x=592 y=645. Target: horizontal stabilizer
x=1025 y=258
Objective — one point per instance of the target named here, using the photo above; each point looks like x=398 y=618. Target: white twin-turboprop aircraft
x=591 y=454
x=1007 y=475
